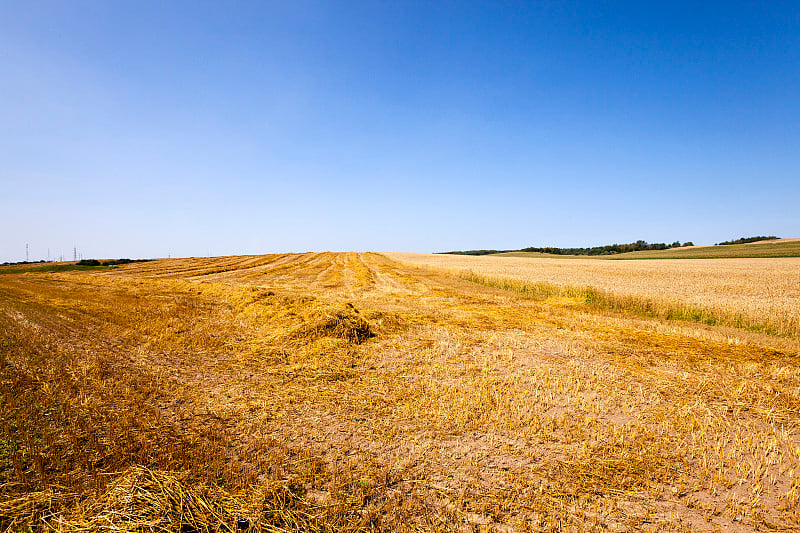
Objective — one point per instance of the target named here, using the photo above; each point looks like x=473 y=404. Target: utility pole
x=48 y=255
x=26 y=253
x=74 y=253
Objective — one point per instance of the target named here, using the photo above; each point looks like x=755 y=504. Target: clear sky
x=147 y=129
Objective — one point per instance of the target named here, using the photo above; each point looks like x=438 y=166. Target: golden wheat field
x=358 y=392
x=754 y=291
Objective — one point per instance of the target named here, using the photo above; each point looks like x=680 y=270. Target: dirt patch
x=773 y=241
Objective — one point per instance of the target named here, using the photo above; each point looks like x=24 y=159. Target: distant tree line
x=595 y=250
x=745 y=240
x=82 y=262
x=24 y=262
x=108 y=262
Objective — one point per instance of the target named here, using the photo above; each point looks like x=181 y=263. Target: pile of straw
x=343 y=322
x=142 y=500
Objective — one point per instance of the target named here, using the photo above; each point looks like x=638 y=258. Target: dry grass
x=349 y=392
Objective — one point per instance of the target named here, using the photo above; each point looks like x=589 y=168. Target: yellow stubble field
x=386 y=392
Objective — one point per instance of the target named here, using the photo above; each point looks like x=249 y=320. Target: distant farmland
x=760 y=293
x=776 y=248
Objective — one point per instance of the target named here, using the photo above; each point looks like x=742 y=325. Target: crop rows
x=353 y=392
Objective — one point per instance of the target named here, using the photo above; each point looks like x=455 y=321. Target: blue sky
x=146 y=129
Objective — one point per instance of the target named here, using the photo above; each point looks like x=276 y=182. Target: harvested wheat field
x=361 y=392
